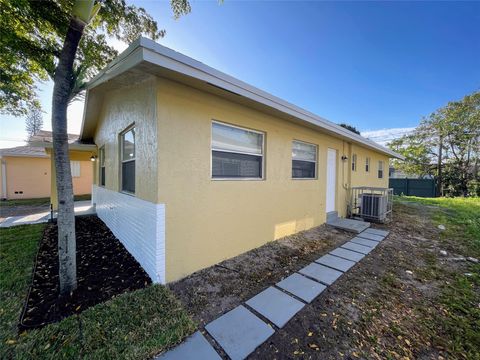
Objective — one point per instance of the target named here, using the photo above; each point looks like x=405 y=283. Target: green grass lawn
x=460 y=296
x=39 y=201
x=460 y=216
x=135 y=325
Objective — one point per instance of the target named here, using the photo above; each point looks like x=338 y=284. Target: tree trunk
x=62 y=88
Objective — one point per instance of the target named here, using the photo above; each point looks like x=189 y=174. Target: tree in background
x=33 y=122
x=446 y=144
x=64 y=40
x=350 y=127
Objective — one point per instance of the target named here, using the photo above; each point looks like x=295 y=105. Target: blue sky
x=375 y=65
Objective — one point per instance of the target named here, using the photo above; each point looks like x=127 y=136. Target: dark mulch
x=104 y=269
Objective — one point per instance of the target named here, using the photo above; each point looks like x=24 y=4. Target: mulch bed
x=104 y=269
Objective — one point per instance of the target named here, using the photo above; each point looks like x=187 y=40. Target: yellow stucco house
x=26 y=172
x=195 y=166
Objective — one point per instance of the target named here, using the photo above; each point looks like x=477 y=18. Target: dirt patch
x=215 y=290
x=377 y=310
x=104 y=269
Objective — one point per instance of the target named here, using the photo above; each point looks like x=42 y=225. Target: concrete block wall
x=138 y=224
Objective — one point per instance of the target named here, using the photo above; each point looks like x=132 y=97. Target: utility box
x=371 y=204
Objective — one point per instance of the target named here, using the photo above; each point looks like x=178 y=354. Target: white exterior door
x=331 y=180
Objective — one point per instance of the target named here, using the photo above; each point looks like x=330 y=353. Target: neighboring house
x=195 y=166
x=26 y=172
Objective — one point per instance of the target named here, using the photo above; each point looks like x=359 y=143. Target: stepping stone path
x=356 y=247
x=275 y=305
x=302 y=287
x=195 y=347
x=383 y=233
x=336 y=262
x=364 y=242
x=239 y=332
x=347 y=254
x=370 y=236
x=321 y=273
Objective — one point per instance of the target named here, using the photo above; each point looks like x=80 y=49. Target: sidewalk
x=81 y=208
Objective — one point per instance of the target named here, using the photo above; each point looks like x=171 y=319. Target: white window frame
x=380 y=169
x=354 y=162
x=367 y=164
x=101 y=158
x=212 y=149
x=75 y=168
x=316 y=162
x=121 y=139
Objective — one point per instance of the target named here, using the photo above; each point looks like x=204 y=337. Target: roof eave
x=147 y=50
x=24 y=155
x=73 y=146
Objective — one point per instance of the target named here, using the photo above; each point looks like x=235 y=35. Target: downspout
x=343 y=158
x=346 y=158
x=346 y=184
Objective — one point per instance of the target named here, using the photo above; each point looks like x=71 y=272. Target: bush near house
x=133 y=325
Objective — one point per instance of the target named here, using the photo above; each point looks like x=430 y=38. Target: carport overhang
x=144 y=58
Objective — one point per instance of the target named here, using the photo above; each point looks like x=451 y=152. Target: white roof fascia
x=74 y=146
x=24 y=155
x=144 y=49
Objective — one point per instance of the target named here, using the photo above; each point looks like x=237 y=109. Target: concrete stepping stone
x=377 y=231
x=239 y=332
x=347 y=254
x=195 y=347
x=370 y=236
x=364 y=242
x=357 y=247
x=355 y=226
x=321 y=273
x=302 y=287
x=275 y=305
x=335 y=262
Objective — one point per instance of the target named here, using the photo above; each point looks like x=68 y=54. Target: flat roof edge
x=230 y=83
x=80 y=147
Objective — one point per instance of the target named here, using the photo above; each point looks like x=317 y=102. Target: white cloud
x=383 y=136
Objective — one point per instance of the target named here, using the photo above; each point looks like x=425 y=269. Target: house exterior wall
x=139 y=224
x=360 y=177
x=133 y=104
x=83 y=183
x=180 y=220
x=208 y=220
x=138 y=221
x=30 y=177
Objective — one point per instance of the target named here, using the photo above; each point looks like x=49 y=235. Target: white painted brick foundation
x=138 y=224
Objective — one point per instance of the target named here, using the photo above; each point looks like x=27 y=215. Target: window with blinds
x=101 y=165
x=380 y=169
x=304 y=160
x=237 y=153
x=127 y=160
